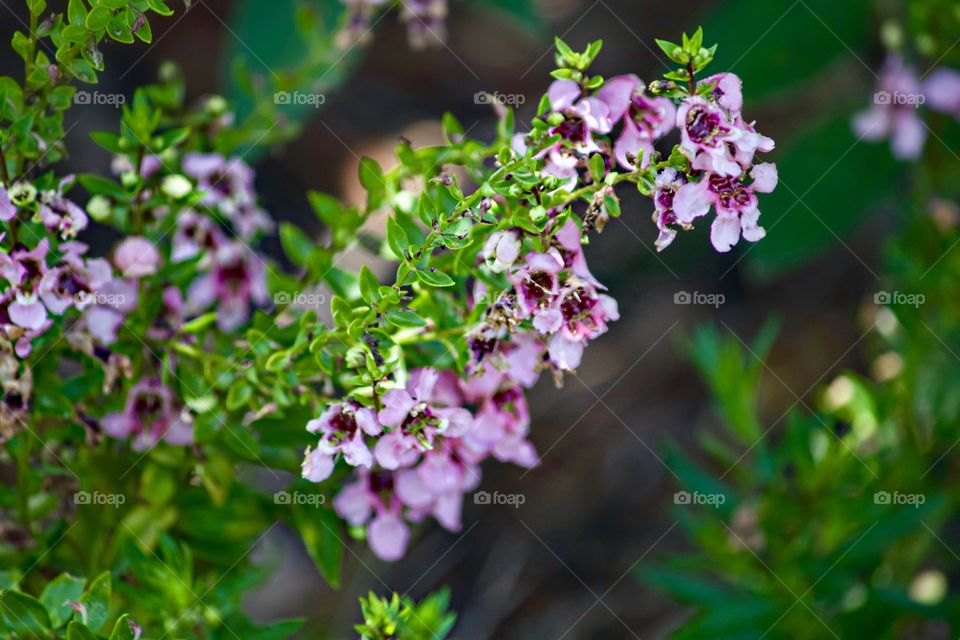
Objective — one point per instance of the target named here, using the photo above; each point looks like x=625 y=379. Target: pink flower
x=416 y=421
x=342 y=428
x=369 y=501
x=667 y=182
x=894 y=111
x=727 y=92
x=735 y=202
x=60 y=215
x=24 y=270
x=236 y=281
x=645 y=118
x=75 y=282
x=536 y=282
x=136 y=257
x=196 y=234
x=942 y=90
x=713 y=142
x=227 y=184
x=582 y=115
x=150 y=416
x=7 y=208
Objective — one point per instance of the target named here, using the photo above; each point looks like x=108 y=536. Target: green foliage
x=835 y=521
x=403 y=619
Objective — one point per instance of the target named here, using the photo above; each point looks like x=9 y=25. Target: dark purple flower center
x=538 y=285
x=220 y=183
x=573 y=128
x=481 y=347
x=577 y=304
x=69 y=283
x=702 y=125
x=381 y=481
x=147 y=408
x=32 y=266
x=730 y=191
x=344 y=423
x=234 y=275
x=644 y=113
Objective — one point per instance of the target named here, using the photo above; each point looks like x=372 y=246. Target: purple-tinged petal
x=565 y=353
x=411 y=490
x=117 y=425
x=354 y=503
x=367 y=421
x=388 y=536
x=765 y=177
x=691 y=201
x=29 y=316
x=563 y=93
x=725 y=232
x=616 y=94
x=397 y=404
x=317 y=465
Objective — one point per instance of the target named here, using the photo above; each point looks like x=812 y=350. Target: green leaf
x=435 y=278
x=239 y=395
x=368 y=284
x=397 y=238
x=452 y=129
x=98 y=18
x=77 y=12
x=405 y=319
x=321 y=532
x=122 y=629
x=55 y=595
x=160 y=7
x=328 y=209
x=97 y=601
x=77 y=631
x=371 y=177
x=23 y=615
x=296 y=244
x=199 y=323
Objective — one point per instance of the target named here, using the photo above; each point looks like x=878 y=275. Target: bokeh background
x=565 y=562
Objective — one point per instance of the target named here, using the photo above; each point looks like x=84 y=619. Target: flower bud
x=176 y=187
x=99 y=208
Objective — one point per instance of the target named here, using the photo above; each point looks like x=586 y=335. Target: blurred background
x=563 y=564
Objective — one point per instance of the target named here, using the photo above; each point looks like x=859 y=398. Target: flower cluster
x=45 y=281
x=416 y=440
x=420 y=453
x=895 y=112
x=720 y=147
